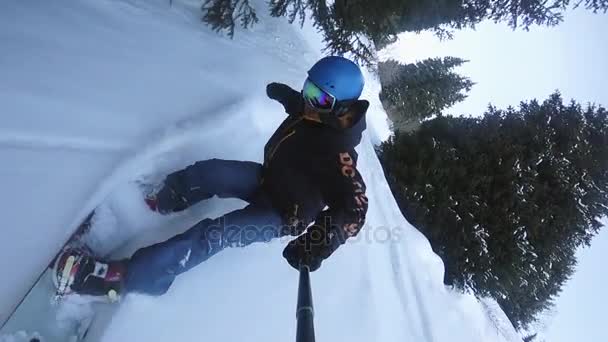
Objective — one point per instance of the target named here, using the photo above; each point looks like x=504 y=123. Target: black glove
x=290 y=99
x=307 y=249
x=279 y=91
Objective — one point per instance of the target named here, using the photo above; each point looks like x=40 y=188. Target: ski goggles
x=317 y=97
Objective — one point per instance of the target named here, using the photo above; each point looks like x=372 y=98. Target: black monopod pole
x=304 y=313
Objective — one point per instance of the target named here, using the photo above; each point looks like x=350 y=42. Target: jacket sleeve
x=345 y=197
x=289 y=98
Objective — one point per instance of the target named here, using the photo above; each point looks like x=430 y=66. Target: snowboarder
x=309 y=175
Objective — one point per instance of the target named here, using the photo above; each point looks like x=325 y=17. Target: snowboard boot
x=151 y=201
x=78 y=272
x=165 y=201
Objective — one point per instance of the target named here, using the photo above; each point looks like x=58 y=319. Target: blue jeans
x=152 y=270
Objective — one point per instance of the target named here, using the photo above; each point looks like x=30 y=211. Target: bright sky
x=511 y=66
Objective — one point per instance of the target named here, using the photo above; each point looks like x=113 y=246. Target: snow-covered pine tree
x=413 y=92
x=361 y=27
x=506 y=199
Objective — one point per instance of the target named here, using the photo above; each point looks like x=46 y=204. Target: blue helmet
x=338 y=76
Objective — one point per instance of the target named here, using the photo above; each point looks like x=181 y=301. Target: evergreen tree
x=506 y=199
x=413 y=92
x=222 y=15
x=354 y=26
x=382 y=20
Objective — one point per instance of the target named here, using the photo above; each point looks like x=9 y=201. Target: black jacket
x=309 y=165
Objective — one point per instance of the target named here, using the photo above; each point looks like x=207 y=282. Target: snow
x=20 y=336
x=185 y=259
x=99 y=94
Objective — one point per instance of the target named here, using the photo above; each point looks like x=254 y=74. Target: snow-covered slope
x=98 y=93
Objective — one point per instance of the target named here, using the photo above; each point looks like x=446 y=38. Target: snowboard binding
x=76 y=271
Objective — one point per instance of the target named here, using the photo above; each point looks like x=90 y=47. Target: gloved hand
x=277 y=91
x=296 y=255
x=306 y=249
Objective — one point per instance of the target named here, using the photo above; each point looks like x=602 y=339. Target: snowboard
x=49 y=313
x=44 y=314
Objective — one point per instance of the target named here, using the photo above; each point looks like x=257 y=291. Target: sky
x=510 y=66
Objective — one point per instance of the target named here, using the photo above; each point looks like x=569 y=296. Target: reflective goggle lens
x=317 y=98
